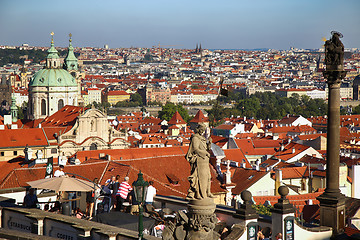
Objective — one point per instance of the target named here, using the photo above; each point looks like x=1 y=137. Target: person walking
x=122 y=193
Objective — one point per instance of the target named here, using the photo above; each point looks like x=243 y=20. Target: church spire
x=52 y=59
x=71 y=62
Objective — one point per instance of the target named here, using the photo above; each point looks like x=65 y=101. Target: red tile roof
x=64 y=117
x=176 y=119
x=199 y=117
x=237 y=156
x=132 y=153
x=245 y=178
x=115 y=93
x=22 y=137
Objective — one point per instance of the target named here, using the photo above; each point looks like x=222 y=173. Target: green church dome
x=53 y=77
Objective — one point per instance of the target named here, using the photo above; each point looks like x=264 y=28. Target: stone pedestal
x=332 y=202
x=282 y=209
x=202 y=219
x=246 y=213
x=332 y=211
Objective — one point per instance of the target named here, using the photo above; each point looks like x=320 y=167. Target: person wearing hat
x=122 y=193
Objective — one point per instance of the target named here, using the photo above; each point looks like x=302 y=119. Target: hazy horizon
x=230 y=24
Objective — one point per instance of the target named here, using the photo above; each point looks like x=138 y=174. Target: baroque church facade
x=55 y=97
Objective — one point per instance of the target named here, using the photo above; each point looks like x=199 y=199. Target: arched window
x=93 y=146
x=60 y=104
x=43 y=107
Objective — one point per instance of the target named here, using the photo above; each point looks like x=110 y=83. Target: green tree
x=268 y=106
x=356 y=110
x=154 y=103
x=136 y=98
x=169 y=109
x=263 y=210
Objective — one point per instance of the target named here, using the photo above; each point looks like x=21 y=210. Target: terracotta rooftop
x=244 y=178
x=176 y=119
x=64 y=117
x=22 y=137
x=199 y=117
x=237 y=156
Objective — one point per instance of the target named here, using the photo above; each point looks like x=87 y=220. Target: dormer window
x=173 y=179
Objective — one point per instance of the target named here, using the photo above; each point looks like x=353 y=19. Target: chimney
x=278 y=180
x=228 y=173
x=293 y=150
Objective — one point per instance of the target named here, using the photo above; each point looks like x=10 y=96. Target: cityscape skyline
x=230 y=25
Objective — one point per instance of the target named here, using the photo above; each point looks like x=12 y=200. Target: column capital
x=334 y=77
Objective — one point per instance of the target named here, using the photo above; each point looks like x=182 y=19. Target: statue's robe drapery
x=199 y=178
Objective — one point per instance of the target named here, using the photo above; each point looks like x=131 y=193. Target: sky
x=216 y=24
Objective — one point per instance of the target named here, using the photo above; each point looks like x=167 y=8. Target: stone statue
x=334 y=50
x=198 y=157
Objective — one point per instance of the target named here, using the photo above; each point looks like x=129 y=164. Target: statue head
x=201 y=128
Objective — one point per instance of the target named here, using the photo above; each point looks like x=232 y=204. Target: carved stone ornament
x=334 y=50
x=334 y=77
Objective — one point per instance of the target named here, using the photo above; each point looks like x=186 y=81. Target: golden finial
x=52 y=37
x=70 y=35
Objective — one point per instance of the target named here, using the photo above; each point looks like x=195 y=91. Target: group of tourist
x=123 y=192
x=115 y=195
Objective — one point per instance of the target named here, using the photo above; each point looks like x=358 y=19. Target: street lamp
x=140 y=190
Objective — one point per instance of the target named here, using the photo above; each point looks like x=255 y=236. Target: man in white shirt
x=151 y=192
x=59 y=172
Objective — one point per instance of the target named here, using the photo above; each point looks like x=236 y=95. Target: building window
x=15 y=153
x=53 y=150
x=43 y=107
x=60 y=104
x=93 y=146
x=2 y=154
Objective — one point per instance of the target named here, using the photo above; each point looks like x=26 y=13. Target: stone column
x=332 y=202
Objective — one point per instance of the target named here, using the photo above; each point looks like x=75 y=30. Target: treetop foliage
x=267 y=105
x=169 y=109
x=15 y=56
